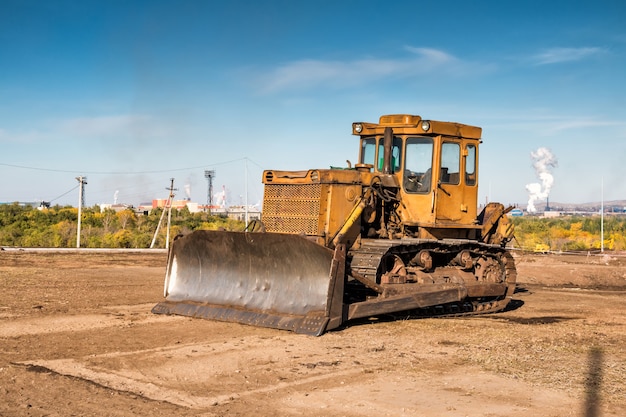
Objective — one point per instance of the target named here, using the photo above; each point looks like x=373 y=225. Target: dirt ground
x=77 y=339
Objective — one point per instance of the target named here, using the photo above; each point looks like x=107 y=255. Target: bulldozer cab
x=435 y=164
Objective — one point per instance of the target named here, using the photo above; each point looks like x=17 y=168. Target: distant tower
x=209 y=174
x=547 y=203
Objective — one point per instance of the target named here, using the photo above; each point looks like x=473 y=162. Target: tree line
x=56 y=227
x=570 y=233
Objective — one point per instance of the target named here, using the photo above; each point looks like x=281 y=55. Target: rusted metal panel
x=408 y=301
x=310 y=208
x=313 y=324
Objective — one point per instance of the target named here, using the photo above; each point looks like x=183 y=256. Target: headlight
x=425 y=125
x=358 y=127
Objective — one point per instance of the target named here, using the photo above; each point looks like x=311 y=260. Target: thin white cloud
x=556 y=126
x=105 y=126
x=558 y=55
x=550 y=125
x=31 y=136
x=433 y=57
x=91 y=128
x=311 y=73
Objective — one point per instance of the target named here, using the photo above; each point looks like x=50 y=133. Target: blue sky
x=133 y=93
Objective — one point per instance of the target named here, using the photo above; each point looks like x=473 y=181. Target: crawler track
x=367 y=262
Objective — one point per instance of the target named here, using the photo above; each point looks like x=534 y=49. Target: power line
x=251 y=160
x=130 y=190
x=124 y=172
x=65 y=193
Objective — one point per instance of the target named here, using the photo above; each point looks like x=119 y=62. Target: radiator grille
x=292 y=208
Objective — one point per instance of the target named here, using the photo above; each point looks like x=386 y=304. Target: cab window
x=470 y=165
x=368 y=151
x=418 y=165
x=450 y=163
x=396 y=154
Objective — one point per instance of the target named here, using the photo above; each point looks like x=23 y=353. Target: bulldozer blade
x=275 y=280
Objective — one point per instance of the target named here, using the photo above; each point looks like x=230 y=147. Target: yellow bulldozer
x=398 y=233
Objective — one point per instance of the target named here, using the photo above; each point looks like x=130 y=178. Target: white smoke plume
x=220 y=198
x=188 y=191
x=543 y=162
x=117 y=192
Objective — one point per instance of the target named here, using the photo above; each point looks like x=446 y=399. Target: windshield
x=418 y=165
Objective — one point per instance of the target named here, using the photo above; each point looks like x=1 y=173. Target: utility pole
x=209 y=175
x=168 y=205
x=169 y=212
x=82 y=181
x=602 y=217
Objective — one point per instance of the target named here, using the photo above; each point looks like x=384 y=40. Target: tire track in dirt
x=73 y=368
x=184 y=375
x=119 y=316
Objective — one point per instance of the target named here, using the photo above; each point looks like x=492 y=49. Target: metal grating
x=292 y=208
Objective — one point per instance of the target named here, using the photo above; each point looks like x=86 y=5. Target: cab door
x=449 y=194
x=418 y=181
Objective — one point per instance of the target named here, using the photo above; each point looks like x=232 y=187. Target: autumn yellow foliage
x=571 y=233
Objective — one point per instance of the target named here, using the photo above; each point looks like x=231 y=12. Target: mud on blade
x=266 y=279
